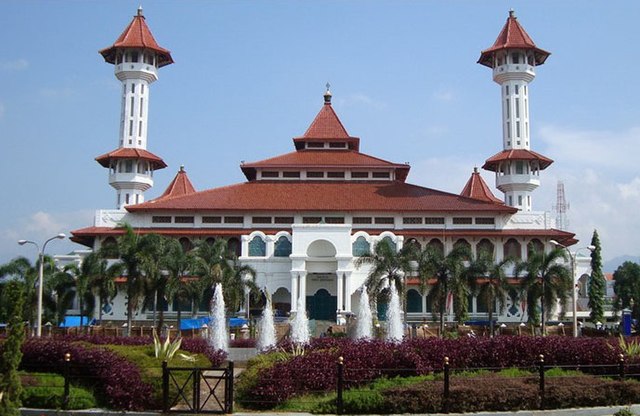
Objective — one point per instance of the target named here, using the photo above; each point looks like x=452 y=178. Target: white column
x=347 y=291
x=270 y=245
x=302 y=295
x=294 y=291
x=340 y=289
x=244 y=246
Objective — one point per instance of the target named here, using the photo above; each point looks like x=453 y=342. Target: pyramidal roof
x=180 y=185
x=513 y=36
x=477 y=188
x=137 y=35
x=327 y=127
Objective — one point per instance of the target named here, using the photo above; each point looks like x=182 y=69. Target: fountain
x=395 y=327
x=300 y=326
x=267 y=329
x=218 y=337
x=364 y=326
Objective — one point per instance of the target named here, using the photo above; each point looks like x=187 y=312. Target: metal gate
x=197 y=390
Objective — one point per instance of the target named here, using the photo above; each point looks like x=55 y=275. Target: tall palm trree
x=388 y=266
x=493 y=285
x=450 y=278
x=546 y=280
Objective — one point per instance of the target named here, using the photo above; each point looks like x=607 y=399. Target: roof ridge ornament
x=327 y=95
x=512 y=14
x=140 y=11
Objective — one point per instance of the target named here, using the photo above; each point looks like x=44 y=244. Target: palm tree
x=60 y=290
x=449 y=274
x=180 y=285
x=103 y=281
x=214 y=264
x=130 y=248
x=545 y=280
x=156 y=278
x=387 y=266
x=493 y=285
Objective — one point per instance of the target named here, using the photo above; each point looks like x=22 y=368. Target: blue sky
x=249 y=76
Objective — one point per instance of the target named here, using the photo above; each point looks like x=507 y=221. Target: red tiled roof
x=477 y=188
x=389 y=196
x=516 y=154
x=137 y=35
x=180 y=185
x=327 y=127
x=324 y=159
x=131 y=153
x=513 y=36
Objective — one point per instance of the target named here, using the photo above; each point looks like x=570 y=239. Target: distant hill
x=610 y=266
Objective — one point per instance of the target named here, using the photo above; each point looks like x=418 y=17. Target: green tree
x=153 y=262
x=387 y=266
x=130 y=248
x=60 y=290
x=181 y=287
x=10 y=385
x=546 y=281
x=493 y=285
x=449 y=272
x=597 y=283
x=21 y=269
x=627 y=288
x=103 y=281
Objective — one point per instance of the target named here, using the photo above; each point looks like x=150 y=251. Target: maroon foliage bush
x=117 y=380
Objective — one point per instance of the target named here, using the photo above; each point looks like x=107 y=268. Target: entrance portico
x=321 y=267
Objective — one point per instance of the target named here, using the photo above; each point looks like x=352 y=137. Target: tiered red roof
x=319 y=159
x=131 y=153
x=516 y=154
x=327 y=127
x=179 y=186
x=513 y=36
x=477 y=188
x=389 y=196
x=137 y=35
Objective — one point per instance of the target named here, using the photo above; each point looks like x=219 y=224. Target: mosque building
x=301 y=219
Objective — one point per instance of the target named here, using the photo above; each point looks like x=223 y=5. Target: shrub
x=117 y=380
x=52 y=398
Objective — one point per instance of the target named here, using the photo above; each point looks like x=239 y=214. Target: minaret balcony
x=136 y=70
x=517 y=182
x=131 y=180
x=513 y=72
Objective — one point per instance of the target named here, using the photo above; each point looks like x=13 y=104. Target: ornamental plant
x=10 y=386
x=167 y=349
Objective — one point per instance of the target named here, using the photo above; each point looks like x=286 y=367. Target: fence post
x=445 y=396
x=621 y=366
x=165 y=387
x=541 y=375
x=196 y=390
x=340 y=386
x=67 y=376
x=230 y=388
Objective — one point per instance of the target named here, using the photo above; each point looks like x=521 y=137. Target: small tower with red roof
x=513 y=59
x=137 y=57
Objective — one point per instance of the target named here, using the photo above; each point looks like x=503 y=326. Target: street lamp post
x=574 y=284
x=40 y=275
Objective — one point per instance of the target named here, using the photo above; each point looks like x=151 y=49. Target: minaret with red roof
x=136 y=56
x=513 y=58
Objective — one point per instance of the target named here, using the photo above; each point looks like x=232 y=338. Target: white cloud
x=15 y=65
x=630 y=190
x=360 y=99
x=39 y=227
x=444 y=95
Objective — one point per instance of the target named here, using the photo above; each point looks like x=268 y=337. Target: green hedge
x=46 y=391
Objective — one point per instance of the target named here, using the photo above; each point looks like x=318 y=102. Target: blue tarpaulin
x=73 y=321
x=199 y=322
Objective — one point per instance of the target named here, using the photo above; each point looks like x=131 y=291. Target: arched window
x=257 y=247
x=360 y=247
x=534 y=246
x=390 y=243
x=282 y=247
x=210 y=240
x=186 y=244
x=437 y=246
x=485 y=248
x=512 y=249
x=233 y=247
x=462 y=244
x=414 y=301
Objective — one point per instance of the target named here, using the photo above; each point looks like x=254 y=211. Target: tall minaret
x=513 y=58
x=137 y=57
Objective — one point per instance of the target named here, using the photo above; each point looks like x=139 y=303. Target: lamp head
x=591 y=247
x=555 y=243
x=22 y=242
x=61 y=236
